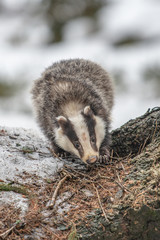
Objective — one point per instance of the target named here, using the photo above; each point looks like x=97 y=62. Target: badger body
x=73 y=101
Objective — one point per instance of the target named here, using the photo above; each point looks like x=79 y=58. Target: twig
x=79 y=173
x=50 y=231
x=111 y=155
x=119 y=182
x=141 y=148
x=52 y=202
x=66 y=199
x=118 y=176
x=68 y=173
x=100 y=204
x=123 y=187
x=123 y=168
x=6 y=233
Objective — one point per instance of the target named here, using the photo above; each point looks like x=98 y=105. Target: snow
x=25 y=160
x=138 y=16
x=14 y=162
x=18 y=166
x=16 y=200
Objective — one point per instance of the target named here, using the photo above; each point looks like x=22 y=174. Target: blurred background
x=122 y=36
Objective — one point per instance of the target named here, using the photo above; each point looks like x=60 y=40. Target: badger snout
x=92 y=159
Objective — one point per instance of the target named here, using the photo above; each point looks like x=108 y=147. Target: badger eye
x=93 y=140
x=77 y=145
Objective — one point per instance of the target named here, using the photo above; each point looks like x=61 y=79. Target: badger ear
x=88 y=111
x=62 y=121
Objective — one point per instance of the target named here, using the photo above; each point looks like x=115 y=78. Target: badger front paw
x=59 y=152
x=104 y=156
x=62 y=154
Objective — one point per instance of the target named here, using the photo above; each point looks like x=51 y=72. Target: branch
x=6 y=233
x=52 y=202
x=100 y=204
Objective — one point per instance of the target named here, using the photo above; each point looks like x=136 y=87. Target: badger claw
x=104 y=155
x=62 y=155
x=103 y=159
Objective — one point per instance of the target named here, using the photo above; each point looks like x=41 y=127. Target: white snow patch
x=24 y=151
x=15 y=200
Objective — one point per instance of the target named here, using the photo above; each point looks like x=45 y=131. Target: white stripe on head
x=99 y=130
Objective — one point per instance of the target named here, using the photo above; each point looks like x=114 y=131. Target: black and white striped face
x=81 y=134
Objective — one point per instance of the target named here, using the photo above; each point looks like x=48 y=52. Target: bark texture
x=133 y=136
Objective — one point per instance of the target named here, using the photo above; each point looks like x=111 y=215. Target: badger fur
x=73 y=101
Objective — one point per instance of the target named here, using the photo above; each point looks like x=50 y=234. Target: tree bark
x=133 y=136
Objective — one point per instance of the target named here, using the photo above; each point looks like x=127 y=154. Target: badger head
x=81 y=134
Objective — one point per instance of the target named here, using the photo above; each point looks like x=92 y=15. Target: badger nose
x=91 y=159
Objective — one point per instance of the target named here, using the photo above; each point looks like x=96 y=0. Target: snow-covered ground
x=24 y=158
x=21 y=143
x=120 y=19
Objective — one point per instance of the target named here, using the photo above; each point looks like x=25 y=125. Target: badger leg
x=104 y=150
x=104 y=156
x=59 y=151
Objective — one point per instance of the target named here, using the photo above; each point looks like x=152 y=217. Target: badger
x=72 y=101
